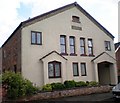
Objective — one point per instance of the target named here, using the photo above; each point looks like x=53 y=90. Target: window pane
x=72 y=50
x=107 y=45
x=39 y=38
x=90 y=43
x=81 y=42
x=82 y=46
x=90 y=50
x=90 y=47
x=63 y=43
x=83 y=69
x=57 y=70
x=71 y=40
x=33 y=37
x=50 y=70
x=75 y=69
x=62 y=40
x=82 y=50
x=63 y=49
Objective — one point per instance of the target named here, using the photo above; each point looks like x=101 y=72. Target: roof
x=51 y=53
x=117 y=45
x=59 y=10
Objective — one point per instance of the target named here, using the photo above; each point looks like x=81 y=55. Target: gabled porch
x=105 y=71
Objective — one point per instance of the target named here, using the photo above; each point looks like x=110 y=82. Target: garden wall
x=68 y=92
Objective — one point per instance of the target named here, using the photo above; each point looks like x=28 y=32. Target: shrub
x=93 y=83
x=30 y=89
x=13 y=93
x=0 y=79
x=57 y=86
x=16 y=85
x=87 y=82
x=80 y=84
x=69 y=84
x=47 y=87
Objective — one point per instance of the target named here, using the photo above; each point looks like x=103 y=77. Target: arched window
x=54 y=69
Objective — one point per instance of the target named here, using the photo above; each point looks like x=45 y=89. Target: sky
x=13 y=12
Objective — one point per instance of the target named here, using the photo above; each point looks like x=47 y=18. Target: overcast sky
x=12 y=12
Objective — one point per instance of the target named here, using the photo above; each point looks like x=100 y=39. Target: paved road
x=93 y=97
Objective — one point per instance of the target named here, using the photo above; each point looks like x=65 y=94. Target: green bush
x=87 y=82
x=30 y=89
x=0 y=79
x=13 y=93
x=80 y=84
x=47 y=87
x=93 y=83
x=57 y=86
x=16 y=85
x=69 y=83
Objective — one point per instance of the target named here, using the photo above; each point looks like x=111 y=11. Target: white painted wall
x=52 y=28
x=119 y=21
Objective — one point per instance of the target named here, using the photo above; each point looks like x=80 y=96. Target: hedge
x=68 y=84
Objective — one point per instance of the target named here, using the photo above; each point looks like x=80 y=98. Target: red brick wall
x=12 y=55
x=0 y=60
x=118 y=61
x=3 y=93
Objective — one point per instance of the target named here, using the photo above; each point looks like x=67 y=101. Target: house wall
x=119 y=21
x=12 y=52
x=52 y=28
x=118 y=60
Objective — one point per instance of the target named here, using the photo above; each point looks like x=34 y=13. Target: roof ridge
x=46 y=13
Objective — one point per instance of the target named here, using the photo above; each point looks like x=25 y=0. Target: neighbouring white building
x=119 y=21
x=64 y=44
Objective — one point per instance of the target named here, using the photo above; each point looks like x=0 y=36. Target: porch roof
x=52 y=53
x=104 y=56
